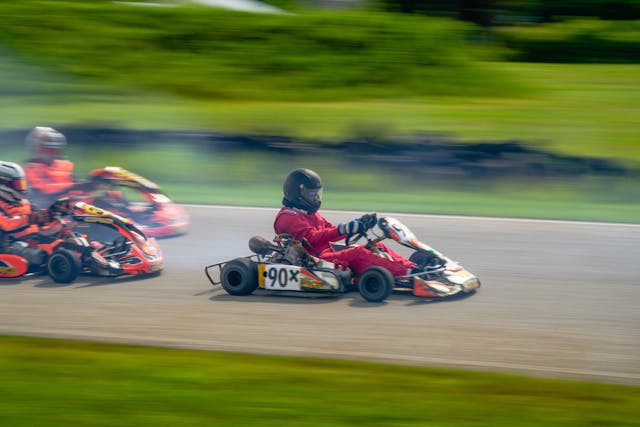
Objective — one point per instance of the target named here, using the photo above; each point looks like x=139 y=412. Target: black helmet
x=13 y=183
x=303 y=190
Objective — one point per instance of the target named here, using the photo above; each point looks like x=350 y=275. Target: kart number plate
x=281 y=277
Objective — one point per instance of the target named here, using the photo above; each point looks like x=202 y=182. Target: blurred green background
x=561 y=79
x=524 y=72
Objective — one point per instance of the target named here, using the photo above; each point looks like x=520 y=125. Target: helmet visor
x=312 y=195
x=50 y=152
x=19 y=185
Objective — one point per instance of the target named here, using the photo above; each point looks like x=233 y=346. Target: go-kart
x=123 y=249
x=128 y=195
x=290 y=265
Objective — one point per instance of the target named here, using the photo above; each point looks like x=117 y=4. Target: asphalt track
x=558 y=299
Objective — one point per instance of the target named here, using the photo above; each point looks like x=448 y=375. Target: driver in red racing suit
x=299 y=217
x=17 y=220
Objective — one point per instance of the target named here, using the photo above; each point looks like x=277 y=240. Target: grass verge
x=553 y=201
x=190 y=175
x=60 y=383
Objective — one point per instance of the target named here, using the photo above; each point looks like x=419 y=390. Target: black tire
x=239 y=277
x=375 y=284
x=63 y=266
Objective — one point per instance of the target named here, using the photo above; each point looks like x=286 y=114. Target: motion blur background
x=491 y=107
x=523 y=108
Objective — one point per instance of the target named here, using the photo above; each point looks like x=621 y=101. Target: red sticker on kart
x=12 y=265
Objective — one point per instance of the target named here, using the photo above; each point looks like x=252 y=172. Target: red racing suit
x=320 y=233
x=15 y=222
x=49 y=178
x=15 y=219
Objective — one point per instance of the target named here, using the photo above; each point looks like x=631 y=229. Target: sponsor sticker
x=156 y=267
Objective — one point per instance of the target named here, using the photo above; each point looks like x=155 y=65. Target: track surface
x=559 y=299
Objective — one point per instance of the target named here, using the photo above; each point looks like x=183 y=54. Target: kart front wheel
x=375 y=284
x=63 y=266
x=240 y=276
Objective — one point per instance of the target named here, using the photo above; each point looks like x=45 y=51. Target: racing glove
x=39 y=217
x=369 y=220
x=63 y=204
x=353 y=227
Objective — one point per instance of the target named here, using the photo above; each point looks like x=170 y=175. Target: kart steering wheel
x=369 y=221
x=348 y=241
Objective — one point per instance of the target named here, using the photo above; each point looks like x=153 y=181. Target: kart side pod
x=285 y=277
x=12 y=265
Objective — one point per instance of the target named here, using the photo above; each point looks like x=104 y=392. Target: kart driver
x=48 y=172
x=17 y=220
x=299 y=217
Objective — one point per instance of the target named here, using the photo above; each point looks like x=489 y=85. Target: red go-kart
x=289 y=265
x=122 y=248
x=128 y=195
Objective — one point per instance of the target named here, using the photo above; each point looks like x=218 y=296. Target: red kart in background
x=116 y=246
x=128 y=195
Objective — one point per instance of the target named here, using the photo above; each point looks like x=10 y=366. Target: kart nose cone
x=471 y=285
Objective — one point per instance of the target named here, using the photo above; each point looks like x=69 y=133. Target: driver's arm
x=14 y=223
x=319 y=236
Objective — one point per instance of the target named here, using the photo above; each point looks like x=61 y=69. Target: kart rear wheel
x=375 y=284
x=63 y=266
x=239 y=277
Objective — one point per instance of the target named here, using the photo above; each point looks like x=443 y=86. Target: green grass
x=190 y=175
x=60 y=383
x=586 y=110
x=554 y=201
x=256 y=179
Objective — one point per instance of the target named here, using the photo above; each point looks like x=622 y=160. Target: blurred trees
x=478 y=11
x=489 y=12
x=213 y=53
x=578 y=31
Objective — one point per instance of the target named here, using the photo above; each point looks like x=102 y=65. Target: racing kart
x=123 y=250
x=289 y=265
x=128 y=195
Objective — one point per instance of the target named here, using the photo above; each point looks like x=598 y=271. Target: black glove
x=353 y=227
x=39 y=217
x=369 y=220
x=63 y=204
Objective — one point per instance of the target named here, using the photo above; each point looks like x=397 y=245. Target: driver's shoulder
x=288 y=211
